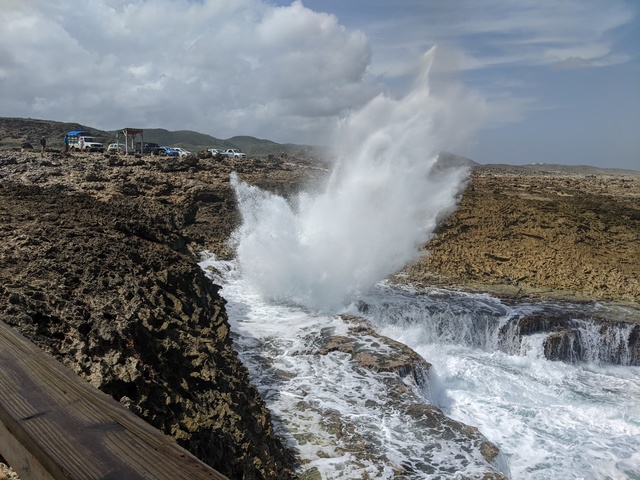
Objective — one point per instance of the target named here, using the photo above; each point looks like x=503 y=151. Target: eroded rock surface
x=97 y=270
x=543 y=233
x=403 y=373
x=97 y=266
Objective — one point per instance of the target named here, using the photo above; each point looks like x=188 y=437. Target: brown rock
x=109 y=288
x=549 y=232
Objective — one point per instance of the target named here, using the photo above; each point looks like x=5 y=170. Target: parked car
x=168 y=151
x=148 y=148
x=234 y=152
x=117 y=147
x=217 y=151
x=90 y=144
x=182 y=152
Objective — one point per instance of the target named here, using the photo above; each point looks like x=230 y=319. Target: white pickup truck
x=90 y=144
x=83 y=140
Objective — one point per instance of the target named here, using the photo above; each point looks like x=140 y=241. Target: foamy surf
x=550 y=419
x=342 y=420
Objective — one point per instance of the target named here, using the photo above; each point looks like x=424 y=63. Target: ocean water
x=302 y=261
x=550 y=420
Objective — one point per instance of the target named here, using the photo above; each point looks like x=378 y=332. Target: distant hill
x=183 y=138
x=15 y=131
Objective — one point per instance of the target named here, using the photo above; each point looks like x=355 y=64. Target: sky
x=543 y=81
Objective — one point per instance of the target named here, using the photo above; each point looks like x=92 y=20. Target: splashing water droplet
x=381 y=203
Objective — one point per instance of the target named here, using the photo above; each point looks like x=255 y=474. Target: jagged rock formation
x=97 y=272
x=405 y=372
x=541 y=232
x=610 y=340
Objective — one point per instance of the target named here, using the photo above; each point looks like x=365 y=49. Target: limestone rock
x=109 y=288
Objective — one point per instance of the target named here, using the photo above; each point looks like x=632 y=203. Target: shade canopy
x=130 y=138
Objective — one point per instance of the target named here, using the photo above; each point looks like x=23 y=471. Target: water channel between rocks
x=575 y=418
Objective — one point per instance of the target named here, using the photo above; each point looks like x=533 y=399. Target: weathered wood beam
x=55 y=425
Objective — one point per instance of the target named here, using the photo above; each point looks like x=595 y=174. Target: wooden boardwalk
x=55 y=425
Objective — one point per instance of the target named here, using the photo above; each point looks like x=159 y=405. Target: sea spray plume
x=381 y=204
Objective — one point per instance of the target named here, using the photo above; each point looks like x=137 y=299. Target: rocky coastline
x=98 y=268
x=543 y=231
x=553 y=234
x=100 y=275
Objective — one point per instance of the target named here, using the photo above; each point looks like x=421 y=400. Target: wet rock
x=541 y=322
x=407 y=375
x=371 y=351
x=575 y=336
x=563 y=345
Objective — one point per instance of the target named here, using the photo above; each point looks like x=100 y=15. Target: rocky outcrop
x=405 y=385
x=541 y=232
x=575 y=338
x=97 y=266
x=192 y=193
x=102 y=278
x=552 y=233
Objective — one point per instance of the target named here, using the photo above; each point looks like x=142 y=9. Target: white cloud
x=286 y=72
x=500 y=32
x=224 y=68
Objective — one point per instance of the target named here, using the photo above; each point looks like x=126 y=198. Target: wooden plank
x=55 y=425
x=21 y=460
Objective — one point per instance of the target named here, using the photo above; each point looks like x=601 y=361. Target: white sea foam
x=550 y=419
x=338 y=417
x=319 y=252
x=381 y=203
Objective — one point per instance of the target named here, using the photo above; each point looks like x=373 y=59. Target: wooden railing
x=55 y=425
